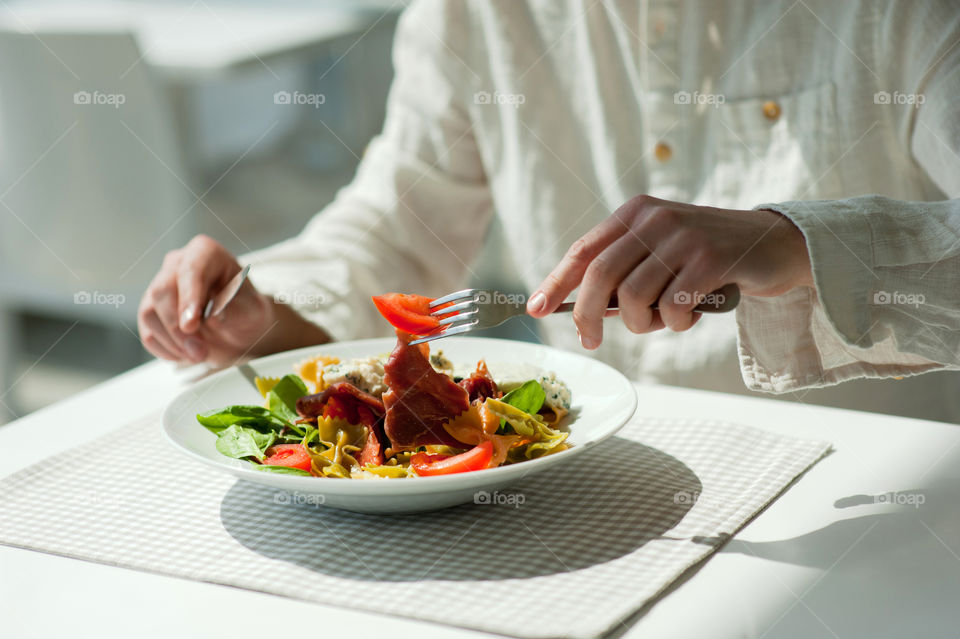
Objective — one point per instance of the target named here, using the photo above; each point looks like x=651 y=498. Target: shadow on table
x=899 y=544
x=908 y=514
x=599 y=506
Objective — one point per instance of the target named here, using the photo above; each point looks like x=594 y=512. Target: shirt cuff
x=821 y=337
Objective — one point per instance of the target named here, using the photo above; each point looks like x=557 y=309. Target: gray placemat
x=571 y=552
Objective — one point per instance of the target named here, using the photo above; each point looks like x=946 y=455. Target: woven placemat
x=571 y=552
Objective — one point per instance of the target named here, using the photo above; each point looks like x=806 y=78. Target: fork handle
x=722 y=300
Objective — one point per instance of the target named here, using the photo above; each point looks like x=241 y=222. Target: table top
x=867 y=543
x=196 y=37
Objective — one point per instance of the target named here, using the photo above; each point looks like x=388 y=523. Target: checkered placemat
x=571 y=552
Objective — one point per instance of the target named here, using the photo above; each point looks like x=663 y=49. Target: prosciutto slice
x=480 y=384
x=311 y=406
x=419 y=399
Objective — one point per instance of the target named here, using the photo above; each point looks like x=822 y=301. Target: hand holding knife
x=220 y=301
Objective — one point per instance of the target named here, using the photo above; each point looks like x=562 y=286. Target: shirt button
x=662 y=151
x=771 y=110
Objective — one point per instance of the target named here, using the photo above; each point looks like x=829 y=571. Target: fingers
x=639 y=290
x=155 y=338
x=600 y=280
x=694 y=285
x=159 y=337
x=156 y=349
x=567 y=274
x=203 y=264
x=165 y=308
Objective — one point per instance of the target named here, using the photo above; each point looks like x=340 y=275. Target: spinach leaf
x=238 y=442
x=282 y=398
x=282 y=470
x=256 y=417
x=529 y=397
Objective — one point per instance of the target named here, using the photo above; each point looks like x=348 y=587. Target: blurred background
x=127 y=127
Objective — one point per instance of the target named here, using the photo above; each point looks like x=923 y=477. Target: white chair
x=92 y=190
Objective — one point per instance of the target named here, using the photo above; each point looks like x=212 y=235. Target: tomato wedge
x=409 y=313
x=477 y=458
x=292 y=455
x=335 y=407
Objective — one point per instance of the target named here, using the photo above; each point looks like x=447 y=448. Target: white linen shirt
x=549 y=115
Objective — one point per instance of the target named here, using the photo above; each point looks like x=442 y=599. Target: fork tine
x=459 y=317
x=456 y=308
x=467 y=293
x=465 y=327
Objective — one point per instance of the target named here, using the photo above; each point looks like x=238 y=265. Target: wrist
x=794 y=250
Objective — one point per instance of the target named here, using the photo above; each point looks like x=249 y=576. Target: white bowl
x=603 y=401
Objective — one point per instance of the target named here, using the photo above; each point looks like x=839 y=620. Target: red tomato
x=409 y=313
x=335 y=407
x=477 y=458
x=292 y=455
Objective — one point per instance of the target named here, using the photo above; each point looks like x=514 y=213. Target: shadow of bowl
x=604 y=504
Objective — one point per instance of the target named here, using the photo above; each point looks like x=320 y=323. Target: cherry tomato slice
x=477 y=458
x=292 y=455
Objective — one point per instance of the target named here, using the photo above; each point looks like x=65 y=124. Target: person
x=806 y=152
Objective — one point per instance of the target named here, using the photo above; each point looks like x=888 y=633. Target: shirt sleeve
x=886 y=301
x=415 y=214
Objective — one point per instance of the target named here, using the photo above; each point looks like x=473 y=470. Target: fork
x=473 y=309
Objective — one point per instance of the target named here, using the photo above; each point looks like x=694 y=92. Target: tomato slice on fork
x=409 y=313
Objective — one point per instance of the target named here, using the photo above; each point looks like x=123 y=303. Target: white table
x=823 y=560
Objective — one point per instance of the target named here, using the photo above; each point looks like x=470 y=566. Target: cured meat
x=480 y=384
x=311 y=406
x=419 y=399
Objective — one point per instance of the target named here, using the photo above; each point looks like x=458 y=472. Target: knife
x=220 y=301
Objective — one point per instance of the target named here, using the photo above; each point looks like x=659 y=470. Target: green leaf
x=282 y=398
x=528 y=397
x=253 y=416
x=282 y=470
x=238 y=442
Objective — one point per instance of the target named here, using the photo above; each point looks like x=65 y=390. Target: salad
x=402 y=414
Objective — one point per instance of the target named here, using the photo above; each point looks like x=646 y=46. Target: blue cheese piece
x=440 y=363
x=557 y=392
x=364 y=373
